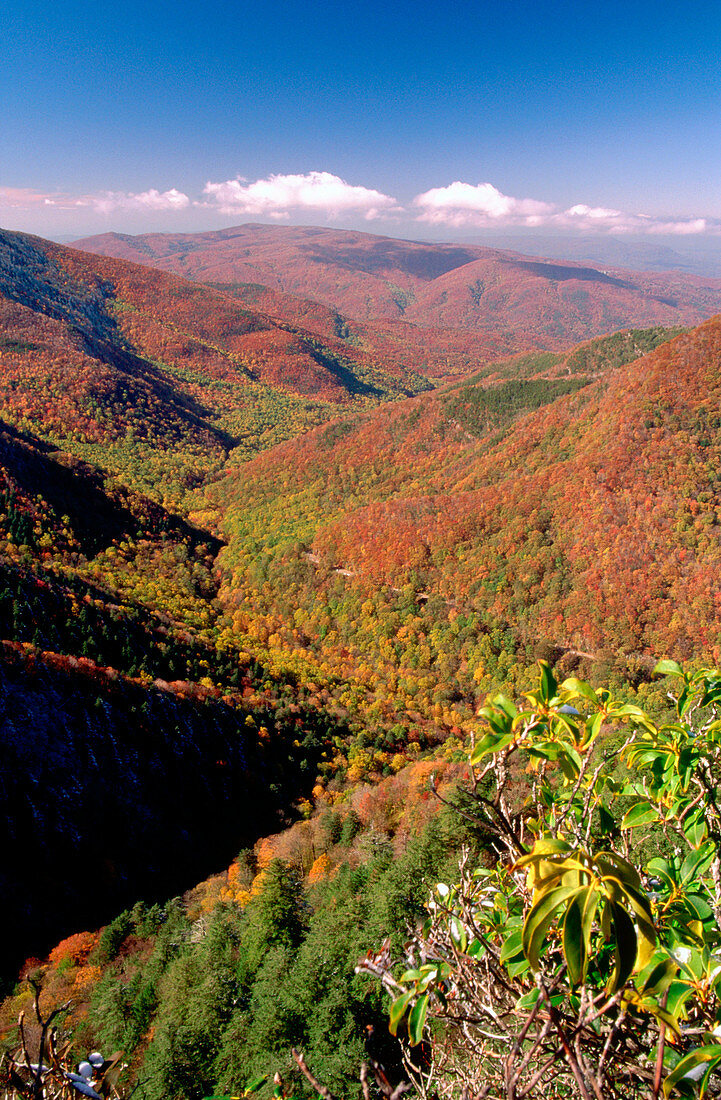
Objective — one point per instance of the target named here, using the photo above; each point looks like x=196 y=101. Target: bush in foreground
x=585 y=959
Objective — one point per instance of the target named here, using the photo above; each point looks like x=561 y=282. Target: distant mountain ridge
x=635 y=254
x=530 y=301
x=109 y=346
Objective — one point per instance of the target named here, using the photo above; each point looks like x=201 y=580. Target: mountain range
x=525 y=301
x=272 y=539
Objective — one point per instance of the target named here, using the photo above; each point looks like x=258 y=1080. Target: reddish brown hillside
x=527 y=301
x=593 y=523
x=163 y=317
x=135 y=369
x=357 y=273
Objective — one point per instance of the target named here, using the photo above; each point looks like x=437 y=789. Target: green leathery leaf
x=626 y=710
x=492 y=742
x=700 y=906
x=398 y=1010
x=547 y=685
x=590 y=905
x=579 y=687
x=528 y=1000
x=502 y=702
x=255 y=1084
x=606 y=820
x=514 y=967
x=640 y=814
x=641 y=906
x=612 y=863
x=593 y=725
x=568 y=766
x=574 y=947
x=512 y=946
x=695 y=829
x=660 y=977
x=430 y=975
x=539 y=920
x=663 y=870
x=651 y=1005
x=640 y=903
x=709 y=1056
x=458 y=934
x=696 y=863
x=668 y=668
x=417 y=1019
x=684 y=701
x=624 y=948
x=544 y=847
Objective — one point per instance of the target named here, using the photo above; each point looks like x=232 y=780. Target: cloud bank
x=104 y=202
x=278 y=195
x=615 y=221
x=327 y=197
x=108 y=201
x=482 y=205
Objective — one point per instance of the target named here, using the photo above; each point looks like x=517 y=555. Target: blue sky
x=416 y=119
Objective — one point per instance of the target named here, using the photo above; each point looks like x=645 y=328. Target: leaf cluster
x=576 y=965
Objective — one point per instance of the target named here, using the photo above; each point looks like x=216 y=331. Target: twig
x=384 y=1084
x=658 y=1069
x=570 y=1056
x=303 y=1067
x=365 y=1087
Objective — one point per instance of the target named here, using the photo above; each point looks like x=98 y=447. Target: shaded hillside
x=114 y=789
x=438 y=547
x=526 y=301
x=134 y=747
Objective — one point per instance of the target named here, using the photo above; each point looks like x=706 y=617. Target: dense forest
x=261 y=559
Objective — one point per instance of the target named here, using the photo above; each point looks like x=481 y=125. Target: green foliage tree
x=585 y=959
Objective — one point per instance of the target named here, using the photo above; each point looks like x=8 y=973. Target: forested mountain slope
x=430 y=543
x=529 y=302
x=134 y=748
x=216 y=986
x=115 y=360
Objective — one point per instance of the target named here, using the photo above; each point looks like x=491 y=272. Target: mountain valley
x=278 y=507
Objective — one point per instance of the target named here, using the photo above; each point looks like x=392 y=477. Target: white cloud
x=617 y=222
x=108 y=201
x=480 y=204
x=281 y=198
x=103 y=202
x=686 y=228
x=593 y=213
x=277 y=195
x=483 y=205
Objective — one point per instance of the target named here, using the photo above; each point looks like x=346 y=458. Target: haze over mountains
x=518 y=300
x=696 y=257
